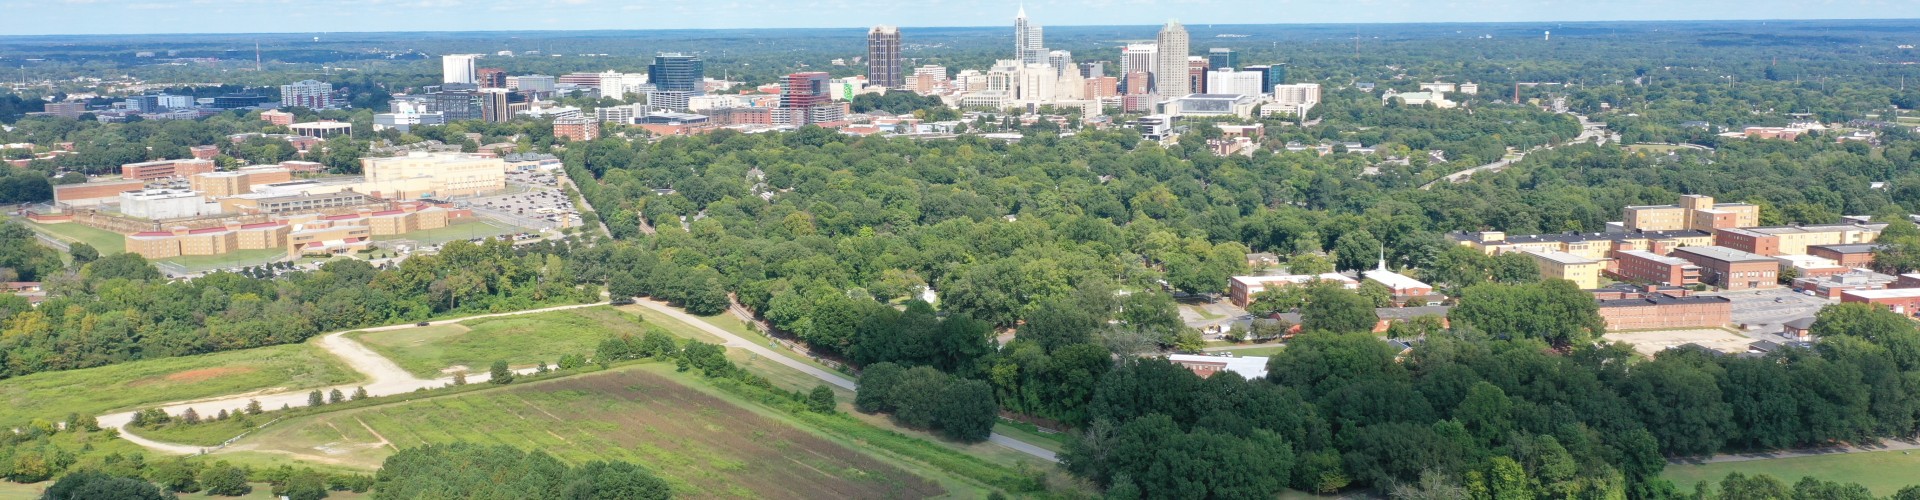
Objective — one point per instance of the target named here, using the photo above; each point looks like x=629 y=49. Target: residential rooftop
x=1725 y=254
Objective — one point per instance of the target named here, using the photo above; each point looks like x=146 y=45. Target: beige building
x=300 y=235
x=1695 y=212
x=1596 y=246
x=1581 y=271
x=1794 y=240
x=238 y=182
x=433 y=175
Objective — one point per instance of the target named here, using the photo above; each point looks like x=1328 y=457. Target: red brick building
x=1732 y=269
x=1646 y=267
x=158 y=169
x=1659 y=311
x=1747 y=241
x=1859 y=255
x=1902 y=300
x=576 y=129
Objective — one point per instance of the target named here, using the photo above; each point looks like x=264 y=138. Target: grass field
x=92 y=391
x=1254 y=350
x=1655 y=148
x=107 y=242
x=197 y=263
x=523 y=340
x=1883 y=472
x=261 y=491
x=704 y=445
x=457 y=231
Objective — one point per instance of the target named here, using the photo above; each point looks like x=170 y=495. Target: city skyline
x=260 y=16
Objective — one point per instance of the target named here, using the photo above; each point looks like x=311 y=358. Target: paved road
x=383 y=378
x=1587 y=131
x=830 y=377
x=1890 y=445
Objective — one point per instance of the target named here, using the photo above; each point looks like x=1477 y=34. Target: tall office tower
x=1277 y=75
x=307 y=93
x=1062 y=62
x=1220 y=58
x=458 y=68
x=496 y=105
x=675 y=72
x=491 y=78
x=1027 y=45
x=1170 y=80
x=1142 y=58
x=1197 y=74
x=1094 y=69
x=1266 y=79
x=883 y=57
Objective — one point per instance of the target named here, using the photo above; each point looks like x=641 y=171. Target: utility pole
x=256 y=56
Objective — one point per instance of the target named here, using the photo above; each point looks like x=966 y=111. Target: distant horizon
x=265 y=17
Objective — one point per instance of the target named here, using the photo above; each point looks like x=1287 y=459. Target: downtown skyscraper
x=1027 y=45
x=675 y=72
x=883 y=57
x=1172 y=44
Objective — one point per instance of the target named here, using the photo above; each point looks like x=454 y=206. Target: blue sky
x=40 y=17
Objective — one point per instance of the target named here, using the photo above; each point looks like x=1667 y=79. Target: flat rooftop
x=1811 y=229
x=1661 y=299
x=1724 y=254
x=1890 y=293
x=1848 y=249
x=1575 y=237
x=1645 y=255
x=1562 y=257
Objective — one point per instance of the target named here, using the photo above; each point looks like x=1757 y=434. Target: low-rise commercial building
x=94 y=193
x=1732 y=269
x=1902 y=300
x=166 y=204
x=1857 y=255
x=1665 y=310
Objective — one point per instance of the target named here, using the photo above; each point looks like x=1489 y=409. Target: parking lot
x=534 y=178
x=1764 y=311
x=538 y=208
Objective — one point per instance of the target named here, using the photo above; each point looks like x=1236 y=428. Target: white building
x=1139 y=57
x=1295 y=99
x=1027 y=41
x=538 y=83
x=307 y=93
x=166 y=204
x=622 y=114
x=1214 y=105
x=405 y=121
x=1228 y=81
x=458 y=68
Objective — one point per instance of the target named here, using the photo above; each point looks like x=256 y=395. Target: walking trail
x=384 y=377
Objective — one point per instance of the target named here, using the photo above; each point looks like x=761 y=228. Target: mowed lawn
x=1884 y=472
x=107 y=242
x=522 y=341
x=92 y=391
x=704 y=446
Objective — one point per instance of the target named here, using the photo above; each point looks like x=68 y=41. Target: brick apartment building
x=1732 y=269
x=1795 y=240
x=1647 y=267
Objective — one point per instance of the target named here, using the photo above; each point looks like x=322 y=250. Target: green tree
x=501 y=374
x=821 y=399
x=1333 y=309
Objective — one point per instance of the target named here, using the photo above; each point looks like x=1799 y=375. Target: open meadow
x=704 y=445
x=1884 y=472
x=92 y=391
x=523 y=341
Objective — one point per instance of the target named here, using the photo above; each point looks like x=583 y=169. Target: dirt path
x=829 y=377
x=383 y=378
x=376 y=434
x=1889 y=445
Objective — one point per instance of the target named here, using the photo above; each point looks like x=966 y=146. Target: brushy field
x=1884 y=472
x=703 y=445
x=521 y=340
x=93 y=391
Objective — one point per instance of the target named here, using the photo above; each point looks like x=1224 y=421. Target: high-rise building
x=1028 y=47
x=491 y=78
x=1094 y=69
x=576 y=128
x=537 y=83
x=496 y=105
x=1172 y=62
x=458 y=68
x=883 y=57
x=1143 y=58
x=1062 y=62
x=1197 y=74
x=1222 y=58
x=807 y=98
x=675 y=72
x=307 y=93
x=1228 y=81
